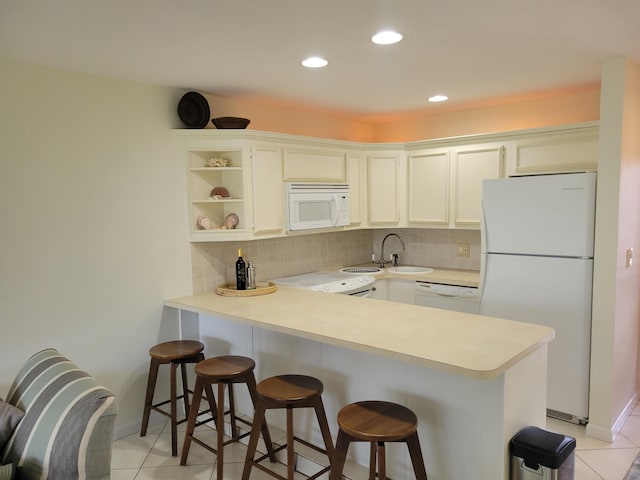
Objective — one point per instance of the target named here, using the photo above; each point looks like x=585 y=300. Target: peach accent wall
x=553 y=108
x=290 y=119
x=580 y=105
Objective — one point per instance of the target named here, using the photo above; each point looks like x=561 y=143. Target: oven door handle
x=362 y=293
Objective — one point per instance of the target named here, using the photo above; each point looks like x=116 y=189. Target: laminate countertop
x=465 y=278
x=465 y=344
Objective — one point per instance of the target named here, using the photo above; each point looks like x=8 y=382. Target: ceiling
x=473 y=51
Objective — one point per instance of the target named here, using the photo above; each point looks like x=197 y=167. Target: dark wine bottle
x=241 y=272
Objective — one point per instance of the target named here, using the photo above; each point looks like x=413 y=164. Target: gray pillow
x=10 y=416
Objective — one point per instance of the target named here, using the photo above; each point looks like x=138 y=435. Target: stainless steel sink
x=361 y=270
x=409 y=270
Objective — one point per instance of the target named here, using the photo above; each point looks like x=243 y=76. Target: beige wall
x=616 y=308
x=94 y=224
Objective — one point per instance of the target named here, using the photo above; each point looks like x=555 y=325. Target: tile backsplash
x=214 y=263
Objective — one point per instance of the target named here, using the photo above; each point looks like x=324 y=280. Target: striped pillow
x=10 y=416
x=67 y=429
x=7 y=472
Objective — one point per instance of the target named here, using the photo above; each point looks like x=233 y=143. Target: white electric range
x=331 y=282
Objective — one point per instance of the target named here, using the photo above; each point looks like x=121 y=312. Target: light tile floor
x=598 y=460
x=149 y=458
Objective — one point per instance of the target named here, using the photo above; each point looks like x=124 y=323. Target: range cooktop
x=332 y=282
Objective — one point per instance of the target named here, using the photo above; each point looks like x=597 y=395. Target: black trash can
x=538 y=454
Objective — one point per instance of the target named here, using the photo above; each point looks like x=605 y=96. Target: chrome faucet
x=382 y=261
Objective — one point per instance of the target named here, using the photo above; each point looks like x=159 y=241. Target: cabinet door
x=354 y=176
x=382 y=172
x=314 y=166
x=429 y=187
x=472 y=167
x=268 y=190
x=402 y=291
x=557 y=153
x=380 y=290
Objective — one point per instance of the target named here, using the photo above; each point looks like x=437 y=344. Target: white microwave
x=317 y=205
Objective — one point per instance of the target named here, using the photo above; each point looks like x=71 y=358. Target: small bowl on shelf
x=230 y=122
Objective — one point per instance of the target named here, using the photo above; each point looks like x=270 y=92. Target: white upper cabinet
x=472 y=166
x=567 y=150
x=241 y=174
x=301 y=165
x=382 y=189
x=355 y=170
x=217 y=187
x=428 y=188
x=445 y=180
x=268 y=190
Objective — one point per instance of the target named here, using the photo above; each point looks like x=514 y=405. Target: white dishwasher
x=448 y=297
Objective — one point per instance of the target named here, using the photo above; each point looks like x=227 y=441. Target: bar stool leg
x=324 y=428
x=174 y=410
x=232 y=412
x=266 y=436
x=415 y=452
x=258 y=416
x=191 y=423
x=151 y=386
x=373 y=459
x=290 y=452
x=382 y=461
x=340 y=456
x=185 y=388
x=220 y=429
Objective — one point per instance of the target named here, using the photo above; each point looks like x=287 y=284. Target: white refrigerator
x=537 y=267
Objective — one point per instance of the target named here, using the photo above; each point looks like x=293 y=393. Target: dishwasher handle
x=448 y=291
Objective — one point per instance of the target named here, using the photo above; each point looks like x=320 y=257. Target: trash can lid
x=541 y=446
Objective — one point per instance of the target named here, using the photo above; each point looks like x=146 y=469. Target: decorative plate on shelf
x=193 y=110
x=230 y=122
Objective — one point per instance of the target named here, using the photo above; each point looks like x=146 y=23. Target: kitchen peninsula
x=473 y=381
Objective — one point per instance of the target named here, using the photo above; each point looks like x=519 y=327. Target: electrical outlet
x=463 y=249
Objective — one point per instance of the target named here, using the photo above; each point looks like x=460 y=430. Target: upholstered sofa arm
x=67 y=429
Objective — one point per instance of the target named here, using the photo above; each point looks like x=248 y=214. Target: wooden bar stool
x=289 y=392
x=221 y=371
x=377 y=422
x=178 y=352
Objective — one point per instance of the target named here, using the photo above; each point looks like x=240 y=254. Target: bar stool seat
x=174 y=353
x=288 y=392
x=222 y=370
x=377 y=422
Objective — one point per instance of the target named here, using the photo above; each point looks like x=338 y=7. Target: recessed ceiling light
x=438 y=98
x=386 y=38
x=314 y=62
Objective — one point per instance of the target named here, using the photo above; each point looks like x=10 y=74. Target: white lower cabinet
x=380 y=290
x=402 y=291
x=394 y=290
